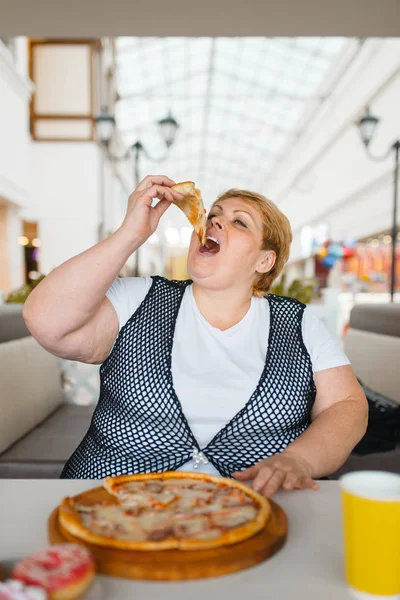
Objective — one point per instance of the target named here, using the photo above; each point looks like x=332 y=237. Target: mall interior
x=313 y=123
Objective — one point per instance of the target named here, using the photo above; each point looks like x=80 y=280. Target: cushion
x=81 y=382
x=43 y=452
x=377 y=461
x=375 y=360
x=376 y=318
x=12 y=324
x=30 y=388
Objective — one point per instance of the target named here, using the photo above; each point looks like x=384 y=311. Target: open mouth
x=211 y=246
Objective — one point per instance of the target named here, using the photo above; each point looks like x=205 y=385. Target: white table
x=310 y=565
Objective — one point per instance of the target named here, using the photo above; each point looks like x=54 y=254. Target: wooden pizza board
x=178 y=565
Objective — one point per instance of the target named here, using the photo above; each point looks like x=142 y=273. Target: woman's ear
x=266 y=262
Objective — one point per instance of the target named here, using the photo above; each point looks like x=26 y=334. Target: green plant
x=303 y=290
x=19 y=295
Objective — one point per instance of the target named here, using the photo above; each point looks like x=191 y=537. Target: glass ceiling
x=239 y=103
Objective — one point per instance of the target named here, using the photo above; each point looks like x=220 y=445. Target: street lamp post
x=367 y=126
x=105 y=128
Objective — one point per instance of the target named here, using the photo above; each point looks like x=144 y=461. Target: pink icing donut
x=63 y=570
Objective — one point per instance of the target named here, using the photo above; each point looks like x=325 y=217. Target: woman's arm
x=339 y=420
x=68 y=312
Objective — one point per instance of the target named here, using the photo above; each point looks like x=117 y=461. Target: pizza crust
x=71 y=521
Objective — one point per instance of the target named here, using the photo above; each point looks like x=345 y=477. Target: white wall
x=65 y=190
x=115 y=196
x=68 y=188
x=15 y=90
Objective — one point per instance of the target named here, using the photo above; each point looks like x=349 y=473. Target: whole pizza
x=172 y=510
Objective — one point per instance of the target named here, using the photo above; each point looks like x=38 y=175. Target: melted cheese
x=159 y=509
x=234 y=517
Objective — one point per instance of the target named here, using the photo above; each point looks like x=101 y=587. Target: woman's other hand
x=141 y=219
x=285 y=470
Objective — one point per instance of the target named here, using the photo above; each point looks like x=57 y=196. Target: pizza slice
x=193 y=207
x=140 y=494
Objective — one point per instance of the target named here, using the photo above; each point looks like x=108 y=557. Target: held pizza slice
x=206 y=512
x=193 y=207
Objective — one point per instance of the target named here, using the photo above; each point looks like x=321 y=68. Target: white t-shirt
x=215 y=372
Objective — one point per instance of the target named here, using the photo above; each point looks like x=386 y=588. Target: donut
x=63 y=570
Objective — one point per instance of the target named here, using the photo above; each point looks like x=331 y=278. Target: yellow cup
x=371 y=523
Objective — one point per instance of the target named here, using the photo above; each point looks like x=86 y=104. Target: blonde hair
x=277 y=235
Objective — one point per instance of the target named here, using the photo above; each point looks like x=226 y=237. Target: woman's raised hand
x=142 y=218
x=285 y=471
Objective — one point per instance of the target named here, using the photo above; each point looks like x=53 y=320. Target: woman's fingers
x=273 y=484
x=141 y=217
x=290 y=481
x=262 y=477
x=150 y=180
x=306 y=482
x=275 y=472
x=271 y=477
x=161 y=207
x=247 y=474
x=269 y=480
x=166 y=196
x=293 y=481
x=160 y=192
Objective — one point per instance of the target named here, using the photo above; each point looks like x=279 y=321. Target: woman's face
x=237 y=227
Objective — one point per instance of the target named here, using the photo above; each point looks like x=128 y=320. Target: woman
x=215 y=374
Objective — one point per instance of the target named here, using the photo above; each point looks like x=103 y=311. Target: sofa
x=39 y=430
x=372 y=343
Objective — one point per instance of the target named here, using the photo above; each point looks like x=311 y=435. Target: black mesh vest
x=138 y=425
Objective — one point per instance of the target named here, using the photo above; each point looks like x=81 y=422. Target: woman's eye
x=239 y=221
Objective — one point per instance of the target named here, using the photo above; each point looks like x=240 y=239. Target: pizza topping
x=134 y=511
x=201 y=502
x=232 y=502
x=111 y=523
x=154 y=486
x=236 y=498
x=143 y=495
x=153 y=525
x=191 y=498
x=153 y=519
x=209 y=534
x=234 y=517
x=189 y=527
x=169 y=511
x=204 y=486
x=178 y=484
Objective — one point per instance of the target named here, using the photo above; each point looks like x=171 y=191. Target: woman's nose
x=217 y=222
